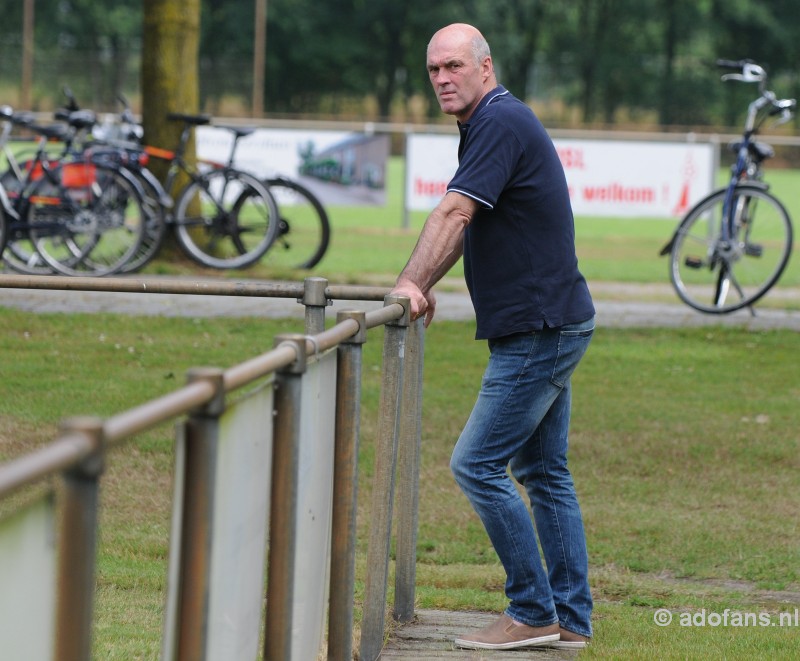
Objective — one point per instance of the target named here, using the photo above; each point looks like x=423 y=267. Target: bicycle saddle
x=197 y=120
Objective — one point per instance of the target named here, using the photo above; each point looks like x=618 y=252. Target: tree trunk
x=170 y=55
x=527 y=18
x=170 y=47
x=669 y=50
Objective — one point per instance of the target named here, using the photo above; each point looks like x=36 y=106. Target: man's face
x=456 y=78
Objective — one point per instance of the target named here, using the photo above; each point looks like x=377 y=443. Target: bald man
x=507 y=212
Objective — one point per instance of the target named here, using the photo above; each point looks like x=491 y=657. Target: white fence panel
x=241 y=515
x=27 y=581
x=314 y=511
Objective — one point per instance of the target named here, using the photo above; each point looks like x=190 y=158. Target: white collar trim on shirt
x=499 y=94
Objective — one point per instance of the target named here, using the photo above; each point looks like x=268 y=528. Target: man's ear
x=487 y=67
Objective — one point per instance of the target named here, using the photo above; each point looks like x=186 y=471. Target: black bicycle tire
x=20 y=260
x=695 y=213
x=205 y=258
x=29 y=263
x=3 y=231
x=157 y=213
x=316 y=256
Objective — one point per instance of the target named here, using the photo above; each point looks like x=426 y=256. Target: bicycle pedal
x=753 y=250
x=693 y=262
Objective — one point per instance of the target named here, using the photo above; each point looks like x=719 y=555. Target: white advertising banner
x=341 y=168
x=266 y=152
x=28 y=580
x=605 y=178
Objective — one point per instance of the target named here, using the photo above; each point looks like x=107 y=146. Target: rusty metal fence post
x=77 y=557
x=201 y=437
x=315 y=299
x=408 y=464
x=345 y=491
x=283 y=504
x=394 y=346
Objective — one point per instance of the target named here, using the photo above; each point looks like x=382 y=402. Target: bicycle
x=223 y=218
x=73 y=216
x=304 y=230
x=733 y=245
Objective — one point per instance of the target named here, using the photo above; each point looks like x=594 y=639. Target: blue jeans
x=521 y=419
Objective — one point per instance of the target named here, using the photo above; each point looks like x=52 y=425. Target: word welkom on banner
x=606 y=178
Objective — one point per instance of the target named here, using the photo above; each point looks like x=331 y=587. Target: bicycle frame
x=178 y=163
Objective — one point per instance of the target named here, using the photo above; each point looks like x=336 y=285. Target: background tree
x=514 y=33
x=171 y=37
x=110 y=27
x=576 y=61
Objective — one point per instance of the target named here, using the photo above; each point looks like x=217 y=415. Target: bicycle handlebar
x=747 y=71
x=736 y=65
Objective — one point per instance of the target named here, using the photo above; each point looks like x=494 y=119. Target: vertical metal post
x=78 y=547
x=197 y=525
x=372 y=624
x=408 y=463
x=315 y=299
x=28 y=30
x=259 y=57
x=283 y=504
x=345 y=490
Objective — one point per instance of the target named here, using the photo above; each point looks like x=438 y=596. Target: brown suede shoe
x=569 y=641
x=506 y=634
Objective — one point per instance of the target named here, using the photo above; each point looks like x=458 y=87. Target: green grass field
x=687 y=471
x=684 y=448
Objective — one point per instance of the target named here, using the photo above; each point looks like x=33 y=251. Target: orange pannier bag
x=78 y=175
x=73 y=175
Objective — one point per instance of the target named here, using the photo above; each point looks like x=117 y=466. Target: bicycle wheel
x=155 y=203
x=226 y=219
x=87 y=219
x=304 y=230
x=719 y=275
x=3 y=231
x=20 y=254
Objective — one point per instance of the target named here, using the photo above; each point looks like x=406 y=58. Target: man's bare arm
x=440 y=245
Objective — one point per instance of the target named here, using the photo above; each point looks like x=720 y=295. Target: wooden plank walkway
x=430 y=637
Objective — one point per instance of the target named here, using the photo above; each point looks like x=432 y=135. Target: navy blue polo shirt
x=519 y=250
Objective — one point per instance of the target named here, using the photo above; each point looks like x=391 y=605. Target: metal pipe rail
x=78 y=455
x=163 y=285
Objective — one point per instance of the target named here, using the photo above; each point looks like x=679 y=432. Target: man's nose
x=440 y=77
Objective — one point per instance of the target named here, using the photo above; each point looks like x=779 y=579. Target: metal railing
x=79 y=452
